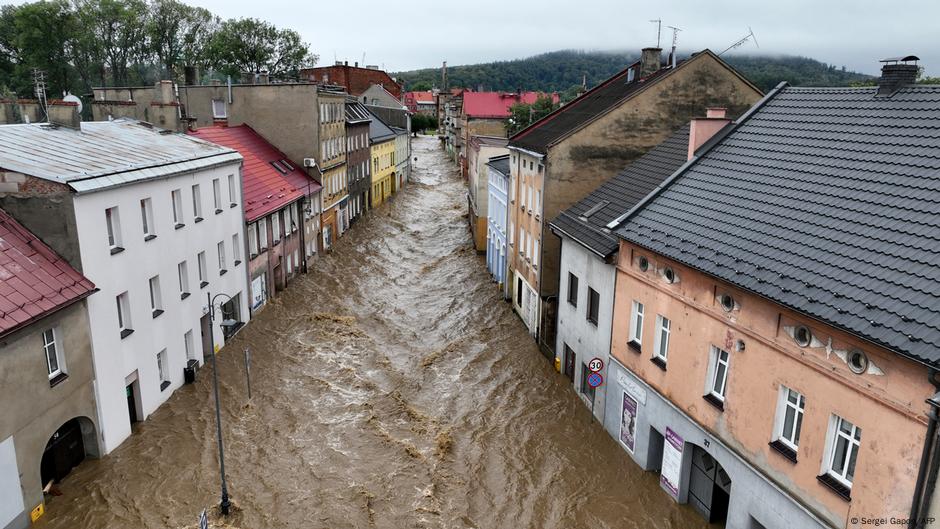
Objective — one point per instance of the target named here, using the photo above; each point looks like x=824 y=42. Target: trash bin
x=189 y=372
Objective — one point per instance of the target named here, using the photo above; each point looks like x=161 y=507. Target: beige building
x=335 y=216
x=482 y=149
x=559 y=159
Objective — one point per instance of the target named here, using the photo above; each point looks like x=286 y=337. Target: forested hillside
x=564 y=70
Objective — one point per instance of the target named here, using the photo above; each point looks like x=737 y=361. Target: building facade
x=382 y=151
x=482 y=149
x=593 y=137
x=497 y=170
x=402 y=157
x=49 y=422
x=132 y=210
x=358 y=158
x=332 y=165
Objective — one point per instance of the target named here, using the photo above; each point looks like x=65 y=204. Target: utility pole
x=659 y=29
x=225 y=504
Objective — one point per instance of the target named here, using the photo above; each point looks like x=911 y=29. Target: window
x=217 y=195
x=236 y=250
x=718 y=374
x=163 y=370
x=188 y=344
x=232 y=193
x=293 y=218
x=845 y=440
x=276 y=227
x=538 y=202
x=789 y=420
x=572 y=289
x=219 y=110
x=177 y=198
x=197 y=204
x=263 y=233
x=636 y=325
x=146 y=217
x=55 y=364
x=594 y=305
x=803 y=336
x=535 y=252
x=221 y=249
x=661 y=345
x=114 y=229
x=201 y=260
x=156 y=303
x=182 y=270
x=124 y=315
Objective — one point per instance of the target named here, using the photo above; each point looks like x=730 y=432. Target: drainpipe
x=929 y=462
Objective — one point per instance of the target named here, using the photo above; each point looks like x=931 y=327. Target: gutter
x=20 y=326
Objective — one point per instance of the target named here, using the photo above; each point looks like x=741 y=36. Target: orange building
x=776 y=329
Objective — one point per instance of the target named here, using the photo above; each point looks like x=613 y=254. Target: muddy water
x=391 y=388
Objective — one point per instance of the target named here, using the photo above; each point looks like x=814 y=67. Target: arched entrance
x=66 y=448
x=709 y=486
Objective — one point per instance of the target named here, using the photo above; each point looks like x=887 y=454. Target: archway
x=67 y=447
x=709 y=486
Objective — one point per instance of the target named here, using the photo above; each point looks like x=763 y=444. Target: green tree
x=43 y=33
x=420 y=86
x=178 y=34
x=114 y=36
x=252 y=45
x=521 y=115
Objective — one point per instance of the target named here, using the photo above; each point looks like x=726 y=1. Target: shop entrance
x=709 y=487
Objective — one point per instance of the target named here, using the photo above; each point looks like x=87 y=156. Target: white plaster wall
x=130 y=271
x=11 y=497
x=586 y=339
x=498 y=187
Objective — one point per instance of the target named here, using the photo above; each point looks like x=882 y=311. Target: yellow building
x=382 y=140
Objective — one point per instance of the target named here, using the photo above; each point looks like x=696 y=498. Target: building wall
x=585 y=339
x=402 y=159
x=497 y=229
x=278 y=261
x=527 y=173
x=478 y=188
x=118 y=360
x=383 y=170
x=24 y=379
x=358 y=165
x=45 y=208
x=378 y=96
x=886 y=402
x=332 y=158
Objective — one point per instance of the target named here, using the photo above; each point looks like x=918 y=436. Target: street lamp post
x=225 y=504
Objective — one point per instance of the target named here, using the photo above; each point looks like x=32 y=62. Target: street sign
x=595 y=365
x=203 y=520
x=595 y=379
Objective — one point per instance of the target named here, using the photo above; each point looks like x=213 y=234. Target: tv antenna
x=39 y=86
x=659 y=29
x=740 y=42
x=675 y=42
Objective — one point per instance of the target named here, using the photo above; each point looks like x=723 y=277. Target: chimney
x=356 y=64
x=65 y=114
x=650 y=61
x=702 y=129
x=191 y=75
x=263 y=77
x=896 y=73
x=164 y=92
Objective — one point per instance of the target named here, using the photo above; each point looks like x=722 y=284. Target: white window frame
x=217 y=194
x=832 y=439
x=176 y=197
x=197 y=202
x=124 y=312
x=146 y=216
x=663 y=330
x=57 y=353
x=232 y=193
x=276 y=226
x=163 y=370
x=718 y=364
x=220 y=248
x=156 y=299
x=262 y=233
x=535 y=252
x=784 y=405
x=182 y=272
x=636 y=322
x=112 y=219
x=236 y=248
x=201 y=265
x=188 y=345
x=219 y=109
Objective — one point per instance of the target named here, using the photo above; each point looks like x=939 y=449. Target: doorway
x=205 y=326
x=132 y=391
x=709 y=486
x=569 y=363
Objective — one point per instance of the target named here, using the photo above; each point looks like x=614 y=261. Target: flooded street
x=391 y=388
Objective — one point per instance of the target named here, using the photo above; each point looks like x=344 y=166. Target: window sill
x=197 y=219
x=714 y=401
x=203 y=284
x=836 y=486
x=184 y=295
x=635 y=346
x=574 y=304
x=217 y=211
x=275 y=243
x=58 y=379
x=659 y=362
x=165 y=384
x=592 y=322
x=222 y=272
x=150 y=237
x=232 y=205
x=178 y=226
x=126 y=332
x=157 y=313
x=116 y=250
x=237 y=262
x=784 y=450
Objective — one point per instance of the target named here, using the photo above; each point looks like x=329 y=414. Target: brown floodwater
x=391 y=388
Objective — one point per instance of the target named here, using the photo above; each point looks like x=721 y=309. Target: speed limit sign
x=595 y=365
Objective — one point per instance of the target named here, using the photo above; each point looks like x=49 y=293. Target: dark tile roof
x=593 y=103
x=825 y=200
x=34 y=280
x=619 y=194
x=378 y=130
x=501 y=164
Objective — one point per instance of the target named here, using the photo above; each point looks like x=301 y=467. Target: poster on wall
x=258 y=291
x=672 y=463
x=628 y=422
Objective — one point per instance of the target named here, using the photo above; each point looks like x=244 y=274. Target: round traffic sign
x=595 y=365
x=595 y=379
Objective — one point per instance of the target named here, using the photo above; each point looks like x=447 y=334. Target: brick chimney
x=65 y=114
x=650 y=61
x=896 y=73
x=702 y=129
x=164 y=93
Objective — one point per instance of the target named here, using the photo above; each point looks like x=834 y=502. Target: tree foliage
x=80 y=44
x=421 y=122
x=521 y=115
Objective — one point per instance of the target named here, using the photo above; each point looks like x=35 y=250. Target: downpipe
x=926 y=483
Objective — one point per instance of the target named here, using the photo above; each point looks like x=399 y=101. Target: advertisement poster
x=628 y=422
x=672 y=463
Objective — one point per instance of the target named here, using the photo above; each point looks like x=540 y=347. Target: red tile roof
x=497 y=104
x=34 y=280
x=264 y=189
x=422 y=97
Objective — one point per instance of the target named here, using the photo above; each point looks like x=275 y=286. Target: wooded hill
x=563 y=71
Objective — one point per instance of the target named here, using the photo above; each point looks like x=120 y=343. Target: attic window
x=279 y=167
x=858 y=361
x=644 y=264
x=669 y=275
x=287 y=164
x=803 y=336
x=595 y=208
x=727 y=302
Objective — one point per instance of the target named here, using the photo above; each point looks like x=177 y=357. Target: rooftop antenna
x=39 y=85
x=750 y=36
x=659 y=29
x=675 y=42
x=363 y=63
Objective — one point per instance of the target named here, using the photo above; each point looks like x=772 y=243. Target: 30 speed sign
x=595 y=365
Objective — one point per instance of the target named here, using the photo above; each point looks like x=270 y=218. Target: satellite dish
x=69 y=98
